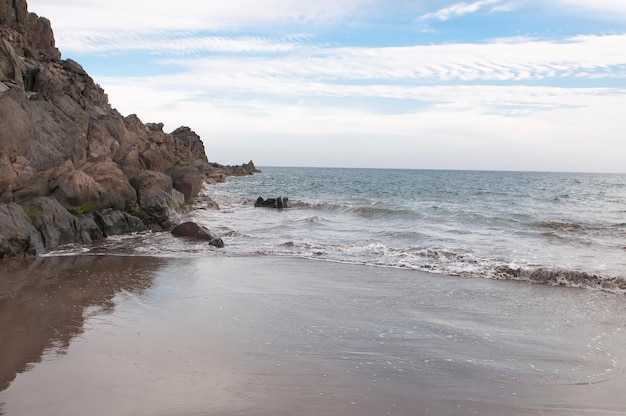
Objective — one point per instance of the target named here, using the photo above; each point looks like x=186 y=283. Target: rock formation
x=73 y=169
x=279 y=203
x=192 y=230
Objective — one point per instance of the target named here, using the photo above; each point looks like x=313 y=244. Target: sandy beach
x=119 y=335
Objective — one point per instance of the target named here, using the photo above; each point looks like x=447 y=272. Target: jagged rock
x=17 y=234
x=56 y=225
x=149 y=185
x=158 y=201
x=7 y=176
x=279 y=203
x=61 y=139
x=115 y=222
x=87 y=228
x=190 y=140
x=193 y=230
x=74 y=189
x=187 y=180
x=117 y=191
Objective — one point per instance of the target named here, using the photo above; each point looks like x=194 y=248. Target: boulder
x=56 y=225
x=7 y=176
x=187 y=180
x=74 y=189
x=192 y=230
x=115 y=222
x=87 y=228
x=158 y=201
x=279 y=203
x=17 y=234
x=118 y=192
x=149 y=185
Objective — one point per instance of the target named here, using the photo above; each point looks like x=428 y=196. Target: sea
x=564 y=229
x=375 y=292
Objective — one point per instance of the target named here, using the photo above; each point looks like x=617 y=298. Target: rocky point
x=72 y=168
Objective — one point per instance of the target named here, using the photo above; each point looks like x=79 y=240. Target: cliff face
x=72 y=169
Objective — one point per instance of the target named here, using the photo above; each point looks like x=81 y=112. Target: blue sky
x=439 y=84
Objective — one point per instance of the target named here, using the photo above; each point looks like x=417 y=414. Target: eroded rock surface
x=78 y=169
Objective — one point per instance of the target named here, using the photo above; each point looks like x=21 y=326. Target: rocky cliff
x=72 y=169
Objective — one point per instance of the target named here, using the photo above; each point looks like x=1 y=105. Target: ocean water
x=555 y=228
x=347 y=303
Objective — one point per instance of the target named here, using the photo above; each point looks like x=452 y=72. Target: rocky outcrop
x=71 y=167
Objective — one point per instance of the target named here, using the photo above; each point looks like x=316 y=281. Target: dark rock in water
x=193 y=230
x=279 y=203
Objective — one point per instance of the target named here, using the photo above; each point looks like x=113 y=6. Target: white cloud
x=325 y=70
x=463 y=8
x=611 y=9
x=177 y=43
x=152 y=15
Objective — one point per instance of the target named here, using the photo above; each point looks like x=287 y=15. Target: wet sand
x=104 y=335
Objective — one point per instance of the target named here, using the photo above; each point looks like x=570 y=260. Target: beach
x=229 y=335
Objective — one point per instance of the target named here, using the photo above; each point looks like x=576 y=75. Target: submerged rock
x=278 y=203
x=193 y=230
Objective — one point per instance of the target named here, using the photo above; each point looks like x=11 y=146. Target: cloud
x=153 y=15
x=178 y=43
x=460 y=9
x=609 y=9
x=325 y=69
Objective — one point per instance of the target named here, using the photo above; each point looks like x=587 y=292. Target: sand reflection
x=44 y=302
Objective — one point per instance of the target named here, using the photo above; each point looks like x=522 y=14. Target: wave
x=563 y=277
x=564 y=226
x=367 y=210
x=368 y=253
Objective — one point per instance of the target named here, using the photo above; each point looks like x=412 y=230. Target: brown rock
x=17 y=235
x=118 y=192
x=187 y=180
x=56 y=225
x=60 y=138
x=195 y=231
x=7 y=176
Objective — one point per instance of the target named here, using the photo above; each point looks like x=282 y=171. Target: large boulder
x=115 y=222
x=149 y=185
x=118 y=192
x=74 y=189
x=192 y=230
x=187 y=180
x=17 y=234
x=159 y=203
x=56 y=225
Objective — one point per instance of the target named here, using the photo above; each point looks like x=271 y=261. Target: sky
x=424 y=84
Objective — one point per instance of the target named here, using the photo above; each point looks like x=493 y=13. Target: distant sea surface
x=555 y=228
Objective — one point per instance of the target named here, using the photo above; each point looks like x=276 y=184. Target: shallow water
x=279 y=336
x=565 y=229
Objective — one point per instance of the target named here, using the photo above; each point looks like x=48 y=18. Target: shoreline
x=232 y=335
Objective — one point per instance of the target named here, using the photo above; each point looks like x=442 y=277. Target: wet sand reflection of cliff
x=44 y=302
